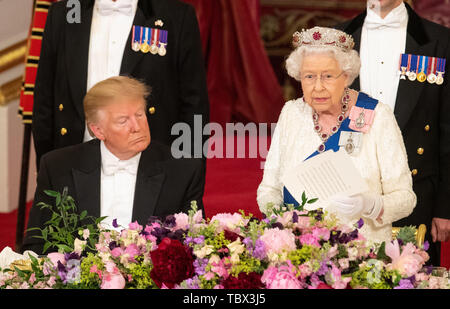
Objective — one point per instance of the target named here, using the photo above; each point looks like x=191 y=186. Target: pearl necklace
x=317 y=127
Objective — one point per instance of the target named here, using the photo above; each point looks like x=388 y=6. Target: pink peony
x=230 y=222
x=280 y=278
x=408 y=263
x=277 y=241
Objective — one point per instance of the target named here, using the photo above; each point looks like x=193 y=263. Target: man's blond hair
x=112 y=90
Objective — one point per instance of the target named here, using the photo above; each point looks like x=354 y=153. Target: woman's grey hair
x=349 y=61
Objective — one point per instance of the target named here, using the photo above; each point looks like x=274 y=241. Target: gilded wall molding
x=13 y=55
x=10 y=91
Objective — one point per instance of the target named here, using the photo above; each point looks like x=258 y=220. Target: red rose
x=342 y=39
x=243 y=281
x=323 y=286
x=231 y=236
x=172 y=263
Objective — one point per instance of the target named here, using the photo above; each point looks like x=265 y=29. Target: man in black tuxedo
x=75 y=56
x=387 y=29
x=120 y=174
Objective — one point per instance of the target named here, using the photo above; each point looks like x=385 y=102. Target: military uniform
x=422 y=111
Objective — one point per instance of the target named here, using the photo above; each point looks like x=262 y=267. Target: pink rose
x=56 y=257
x=280 y=278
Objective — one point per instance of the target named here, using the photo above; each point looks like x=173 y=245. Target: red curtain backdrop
x=434 y=10
x=241 y=82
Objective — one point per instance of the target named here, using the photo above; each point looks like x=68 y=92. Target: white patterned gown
x=381 y=161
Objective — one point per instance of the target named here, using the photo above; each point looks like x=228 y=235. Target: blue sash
x=364 y=101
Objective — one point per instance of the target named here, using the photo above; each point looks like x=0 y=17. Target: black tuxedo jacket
x=422 y=111
x=164 y=185
x=178 y=79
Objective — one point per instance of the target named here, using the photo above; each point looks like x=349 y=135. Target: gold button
x=61 y=107
x=414 y=172
x=151 y=110
x=420 y=151
x=427 y=128
x=63 y=131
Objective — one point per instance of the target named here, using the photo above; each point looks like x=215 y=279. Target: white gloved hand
x=367 y=205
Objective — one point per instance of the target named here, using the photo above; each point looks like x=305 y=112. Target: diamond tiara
x=320 y=36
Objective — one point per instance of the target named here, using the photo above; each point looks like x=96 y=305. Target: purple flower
x=323 y=269
x=71 y=256
x=113 y=245
x=426 y=245
x=114 y=223
x=200 y=265
x=360 y=223
x=277 y=225
x=170 y=221
x=404 y=284
x=260 y=250
x=294 y=217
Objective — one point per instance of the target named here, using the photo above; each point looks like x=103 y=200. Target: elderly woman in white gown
x=326 y=117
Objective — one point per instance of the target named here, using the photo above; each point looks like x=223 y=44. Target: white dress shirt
x=117 y=186
x=382 y=43
x=109 y=35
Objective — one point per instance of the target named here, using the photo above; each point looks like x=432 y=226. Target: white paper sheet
x=323 y=176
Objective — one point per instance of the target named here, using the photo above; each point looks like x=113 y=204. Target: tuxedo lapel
x=149 y=182
x=77 y=54
x=86 y=178
x=142 y=18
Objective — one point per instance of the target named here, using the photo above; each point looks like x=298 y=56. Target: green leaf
x=83 y=214
x=51 y=193
x=313 y=200
x=381 y=254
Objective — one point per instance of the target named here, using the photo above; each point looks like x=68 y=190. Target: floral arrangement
x=290 y=248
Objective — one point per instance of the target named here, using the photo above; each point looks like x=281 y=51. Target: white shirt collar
x=108 y=158
x=399 y=16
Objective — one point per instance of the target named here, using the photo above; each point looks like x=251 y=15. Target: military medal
x=154 y=48
x=431 y=78
x=136 y=45
x=349 y=146
x=145 y=48
x=403 y=65
x=441 y=67
x=162 y=43
x=421 y=77
x=414 y=65
x=360 y=121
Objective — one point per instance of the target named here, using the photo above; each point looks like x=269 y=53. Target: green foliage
x=91 y=280
x=302 y=255
x=140 y=274
x=407 y=234
x=66 y=224
x=280 y=209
